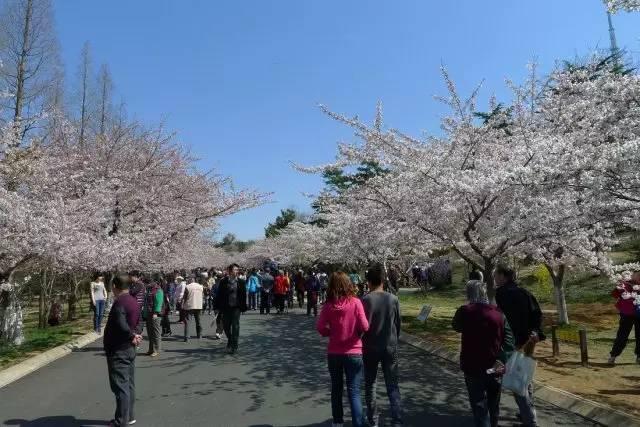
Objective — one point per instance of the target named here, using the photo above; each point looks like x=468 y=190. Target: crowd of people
x=137 y=300
x=361 y=320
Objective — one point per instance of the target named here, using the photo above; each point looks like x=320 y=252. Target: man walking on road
x=380 y=346
x=120 y=341
x=252 y=289
x=231 y=301
x=298 y=282
x=153 y=304
x=192 y=306
x=312 y=286
x=265 y=292
x=280 y=289
x=523 y=313
x=487 y=343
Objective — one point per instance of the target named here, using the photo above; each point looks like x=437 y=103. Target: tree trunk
x=489 y=265
x=42 y=317
x=559 y=292
x=20 y=74
x=72 y=302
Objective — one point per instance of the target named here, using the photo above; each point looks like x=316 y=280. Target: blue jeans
x=97 y=315
x=389 y=361
x=351 y=366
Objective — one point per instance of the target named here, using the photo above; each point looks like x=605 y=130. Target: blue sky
x=240 y=80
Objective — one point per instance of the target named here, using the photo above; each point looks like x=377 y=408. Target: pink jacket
x=344 y=322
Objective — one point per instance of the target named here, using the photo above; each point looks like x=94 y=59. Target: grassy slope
x=590 y=305
x=39 y=340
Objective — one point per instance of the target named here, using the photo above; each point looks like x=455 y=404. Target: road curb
x=15 y=372
x=586 y=408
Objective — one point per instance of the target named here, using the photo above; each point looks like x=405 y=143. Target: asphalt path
x=277 y=378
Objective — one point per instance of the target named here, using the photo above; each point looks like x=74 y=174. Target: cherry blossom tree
x=128 y=199
x=626 y=5
x=530 y=178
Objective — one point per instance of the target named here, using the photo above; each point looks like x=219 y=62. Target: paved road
x=278 y=378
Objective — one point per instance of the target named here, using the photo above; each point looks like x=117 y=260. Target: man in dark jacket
x=137 y=290
x=231 y=301
x=120 y=341
x=267 y=281
x=525 y=318
x=487 y=342
x=312 y=286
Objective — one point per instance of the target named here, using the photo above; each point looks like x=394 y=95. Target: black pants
x=301 y=298
x=484 y=397
x=389 y=362
x=290 y=299
x=231 y=321
x=121 y=366
x=312 y=303
x=252 y=303
x=219 y=323
x=265 y=302
x=166 y=324
x=279 y=302
x=622 y=337
x=187 y=319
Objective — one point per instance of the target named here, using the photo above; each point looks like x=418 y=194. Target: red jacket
x=281 y=286
x=624 y=306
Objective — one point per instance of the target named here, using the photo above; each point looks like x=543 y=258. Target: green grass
x=39 y=340
x=36 y=341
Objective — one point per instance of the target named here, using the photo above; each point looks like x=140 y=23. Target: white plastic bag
x=519 y=373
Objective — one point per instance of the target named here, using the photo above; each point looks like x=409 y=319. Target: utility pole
x=612 y=37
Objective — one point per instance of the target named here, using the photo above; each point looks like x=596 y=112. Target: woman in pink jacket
x=343 y=320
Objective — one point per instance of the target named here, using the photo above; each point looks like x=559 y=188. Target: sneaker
x=132 y=422
x=611 y=361
x=154 y=354
x=218 y=336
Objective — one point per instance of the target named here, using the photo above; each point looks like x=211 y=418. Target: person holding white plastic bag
x=525 y=318
x=487 y=343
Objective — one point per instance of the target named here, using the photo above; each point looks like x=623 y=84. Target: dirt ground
x=617 y=386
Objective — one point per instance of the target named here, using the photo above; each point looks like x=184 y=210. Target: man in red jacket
x=280 y=288
x=625 y=294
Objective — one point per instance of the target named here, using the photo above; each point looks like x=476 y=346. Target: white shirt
x=98 y=291
x=194 y=297
x=180 y=290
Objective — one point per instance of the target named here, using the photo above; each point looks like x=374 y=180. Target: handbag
x=519 y=373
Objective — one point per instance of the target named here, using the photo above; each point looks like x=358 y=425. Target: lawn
x=39 y=340
x=590 y=306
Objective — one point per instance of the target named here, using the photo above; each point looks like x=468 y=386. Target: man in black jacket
x=523 y=313
x=120 y=341
x=231 y=301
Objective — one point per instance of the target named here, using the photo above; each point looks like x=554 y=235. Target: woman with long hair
x=343 y=320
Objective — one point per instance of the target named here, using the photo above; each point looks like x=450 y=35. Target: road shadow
x=285 y=351
x=56 y=421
